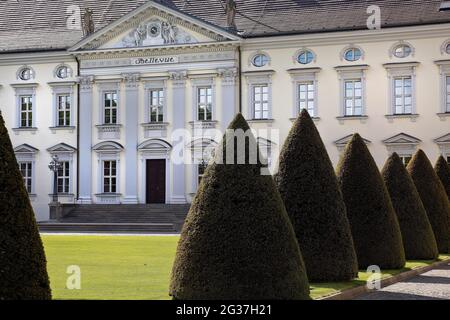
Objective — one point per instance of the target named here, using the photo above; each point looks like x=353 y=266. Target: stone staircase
x=139 y=219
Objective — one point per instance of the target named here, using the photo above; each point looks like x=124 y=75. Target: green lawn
x=133 y=267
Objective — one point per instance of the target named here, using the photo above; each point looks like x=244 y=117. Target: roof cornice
x=359 y=36
x=35 y=57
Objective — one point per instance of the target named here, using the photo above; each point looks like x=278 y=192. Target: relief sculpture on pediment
x=154 y=33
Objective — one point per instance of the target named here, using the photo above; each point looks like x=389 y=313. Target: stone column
x=179 y=123
x=131 y=137
x=229 y=88
x=85 y=139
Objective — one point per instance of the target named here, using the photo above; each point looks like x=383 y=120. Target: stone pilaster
x=85 y=139
x=229 y=88
x=131 y=136
x=178 y=80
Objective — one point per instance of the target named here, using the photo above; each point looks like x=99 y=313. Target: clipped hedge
x=417 y=234
x=237 y=242
x=310 y=191
x=374 y=225
x=23 y=273
x=443 y=171
x=434 y=198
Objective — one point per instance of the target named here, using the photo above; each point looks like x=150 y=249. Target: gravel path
x=432 y=285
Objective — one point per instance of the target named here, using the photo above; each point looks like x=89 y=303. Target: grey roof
x=37 y=25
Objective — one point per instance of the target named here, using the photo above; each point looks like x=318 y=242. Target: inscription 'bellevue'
x=155 y=60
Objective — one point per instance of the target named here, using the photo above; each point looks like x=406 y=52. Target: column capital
x=228 y=76
x=86 y=82
x=131 y=80
x=178 y=78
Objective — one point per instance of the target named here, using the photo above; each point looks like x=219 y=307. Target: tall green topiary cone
x=374 y=225
x=417 y=234
x=310 y=191
x=443 y=171
x=434 y=198
x=23 y=273
x=237 y=242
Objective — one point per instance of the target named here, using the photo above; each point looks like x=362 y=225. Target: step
x=106 y=227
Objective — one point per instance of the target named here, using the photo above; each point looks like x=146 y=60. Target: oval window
x=353 y=54
x=260 y=60
x=62 y=72
x=305 y=57
x=25 y=74
x=402 y=51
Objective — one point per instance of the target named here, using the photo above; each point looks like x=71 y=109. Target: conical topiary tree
x=310 y=191
x=237 y=242
x=434 y=198
x=374 y=225
x=417 y=234
x=23 y=273
x=443 y=171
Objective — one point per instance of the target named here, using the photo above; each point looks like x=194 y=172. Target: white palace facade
x=112 y=104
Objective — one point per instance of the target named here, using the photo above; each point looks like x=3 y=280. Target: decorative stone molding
x=228 y=76
x=342 y=143
x=362 y=119
x=444 y=144
x=155 y=147
x=178 y=78
x=402 y=143
x=86 y=82
x=131 y=80
x=392 y=117
x=155 y=130
x=443 y=116
x=109 y=131
x=202 y=125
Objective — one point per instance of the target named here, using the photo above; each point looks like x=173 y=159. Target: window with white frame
x=447 y=94
x=110 y=107
x=204 y=103
x=63 y=110
x=406 y=159
x=109 y=176
x=402 y=89
x=26 y=169
x=260 y=99
x=403 y=95
x=63 y=178
x=306 y=97
x=156 y=108
x=26 y=112
x=353 y=99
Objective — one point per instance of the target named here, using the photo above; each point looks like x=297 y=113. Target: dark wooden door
x=156 y=181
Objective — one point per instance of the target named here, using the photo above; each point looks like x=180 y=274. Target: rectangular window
x=260 y=102
x=204 y=103
x=63 y=178
x=447 y=88
x=26 y=111
x=406 y=159
x=110 y=107
x=109 y=176
x=201 y=171
x=64 y=103
x=403 y=95
x=26 y=168
x=353 y=98
x=156 y=105
x=306 y=97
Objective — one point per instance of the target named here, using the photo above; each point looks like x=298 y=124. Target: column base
x=84 y=200
x=130 y=200
x=178 y=200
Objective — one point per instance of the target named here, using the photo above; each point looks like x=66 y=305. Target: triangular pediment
x=25 y=148
x=154 y=25
x=62 y=148
x=343 y=141
x=402 y=138
x=443 y=140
